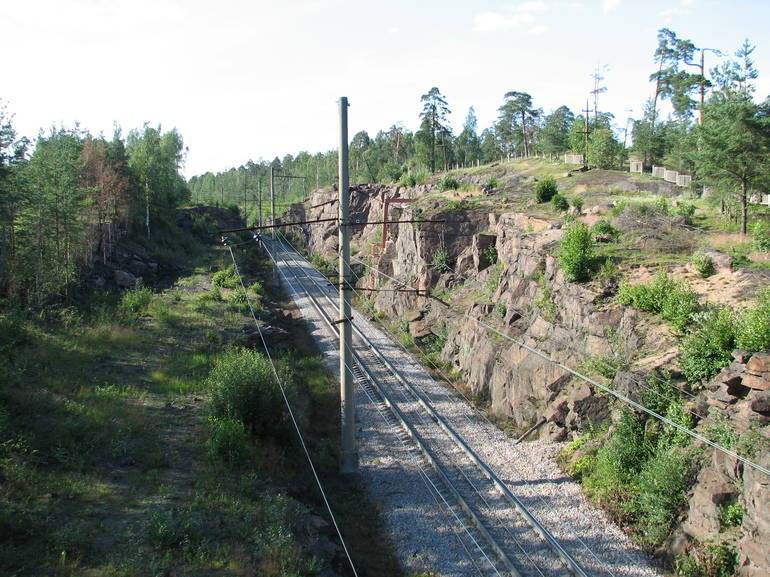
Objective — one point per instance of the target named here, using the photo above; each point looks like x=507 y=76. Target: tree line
x=687 y=140
x=67 y=198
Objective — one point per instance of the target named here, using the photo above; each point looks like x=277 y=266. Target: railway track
x=498 y=533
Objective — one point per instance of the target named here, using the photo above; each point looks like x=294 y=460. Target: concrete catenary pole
x=349 y=452
x=259 y=199
x=272 y=201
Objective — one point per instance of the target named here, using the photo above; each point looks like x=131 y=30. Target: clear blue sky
x=258 y=79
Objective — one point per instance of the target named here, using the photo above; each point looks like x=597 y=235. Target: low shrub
x=577 y=252
x=577 y=202
x=440 y=260
x=685 y=209
x=617 y=462
x=704 y=264
x=228 y=440
x=560 y=202
x=708 y=347
x=134 y=303
x=243 y=387
x=760 y=236
x=490 y=255
x=225 y=278
x=713 y=560
x=673 y=300
x=449 y=183
x=661 y=492
x=752 y=331
x=605 y=229
x=501 y=309
x=545 y=189
x=492 y=183
x=731 y=514
x=455 y=205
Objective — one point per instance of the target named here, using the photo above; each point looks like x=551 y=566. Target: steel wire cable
x=429 y=480
x=293 y=419
x=606 y=389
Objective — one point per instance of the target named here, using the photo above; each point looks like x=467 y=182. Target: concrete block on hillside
x=573 y=159
x=670 y=176
x=658 y=171
x=636 y=166
x=683 y=180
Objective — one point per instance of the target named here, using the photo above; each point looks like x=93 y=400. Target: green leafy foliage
x=704 y=264
x=685 y=209
x=440 y=261
x=134 y=303
x=760 y=235
x=228 y=440
x=490 y=255
x=492 y=183
x=243 y=387
x=661 y=492
x=605 y=229
x=753 y=326
x=578 y=203
x=545 y=189
x=731 y=514
x=226 y=278
x=560 y=202
x=673 y=300
x=577 y=252
x=711 y=560
x=449 y=183
x=708 y=347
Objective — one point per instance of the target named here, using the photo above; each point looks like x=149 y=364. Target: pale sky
x=260 y=79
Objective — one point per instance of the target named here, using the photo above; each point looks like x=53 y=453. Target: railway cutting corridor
x=456 y=491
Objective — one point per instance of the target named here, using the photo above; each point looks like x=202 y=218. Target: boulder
x=420 y=329
x=721 y=260
x=759 y=363
x=711 y=490
x=124 y=279
x=760 y=402
x=756 y=382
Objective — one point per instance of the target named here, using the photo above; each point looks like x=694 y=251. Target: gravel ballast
x=423 y=531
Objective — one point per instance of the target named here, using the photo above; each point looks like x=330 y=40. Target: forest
x=65 y=205
x=728 y=152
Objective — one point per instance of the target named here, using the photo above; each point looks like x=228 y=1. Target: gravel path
x=425 y=534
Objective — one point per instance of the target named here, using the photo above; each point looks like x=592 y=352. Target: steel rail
x=414 y=435
x=553 y=543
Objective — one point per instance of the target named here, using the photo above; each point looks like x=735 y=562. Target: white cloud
x=539 y=29
x=686 y=3
x=610 y=6
x=524 y=13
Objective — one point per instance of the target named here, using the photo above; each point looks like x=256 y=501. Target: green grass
x=110 y=466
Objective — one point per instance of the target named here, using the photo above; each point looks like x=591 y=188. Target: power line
x=291 y=414
x=605 y=388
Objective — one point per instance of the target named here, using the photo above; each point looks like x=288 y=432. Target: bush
x=492 y=183
x=228 y=440
x=546 y=189
x=490 y=255
x=560 y=202
x=576 y=253
x=577 y=202
x=134 y=303
x=226 y=278
x=605 y=229
x=661 y=492
x=708 y=347
x=709 y=561
x=753 y=326
x=617 y=462
x=449 y=183
x=243 y=387
x=704 y=264
x=685 y=209
x=455 y=205
x=760 y=234
x=672 y=300
x=440 y=260
x=731 y=514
